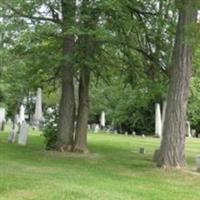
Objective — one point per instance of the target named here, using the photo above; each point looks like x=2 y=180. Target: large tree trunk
x=67 y=101
x=86 y=44
x=83 y=111
x=67 y=106
x=171 y=152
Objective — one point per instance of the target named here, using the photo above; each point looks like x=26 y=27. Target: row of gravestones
x=21 y=125
x=159 y=121
x=95 y=128
x=19 y=128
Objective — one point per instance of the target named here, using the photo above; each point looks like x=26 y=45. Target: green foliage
x=194 y=100
x=129 y=56
x=128 y=107
x=51 y=128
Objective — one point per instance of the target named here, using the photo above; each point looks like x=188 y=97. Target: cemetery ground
x=113 y=170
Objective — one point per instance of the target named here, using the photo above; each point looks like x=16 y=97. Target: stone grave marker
x=23 y=134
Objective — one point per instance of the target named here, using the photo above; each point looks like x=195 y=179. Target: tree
x=49 y=20
x=67 y=101
x=87 y=47
x=171 y=153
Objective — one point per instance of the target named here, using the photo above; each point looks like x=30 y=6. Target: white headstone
x=2 y=114
x=133 y=133
x=38 y=116
x=22 y=114
x=2 y=118
x=96 y=128
x=23 y=134
x=103 y=120
x=188 y=129
x=158 y=121
x=16 y=120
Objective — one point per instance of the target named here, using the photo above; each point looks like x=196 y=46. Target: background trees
x=117 y=52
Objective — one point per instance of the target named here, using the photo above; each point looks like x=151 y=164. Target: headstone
x=13 y=134
x=158 y=121
x=103 y=120
x=22 y=114
x=17 y=120
x=2 y=118
x=115 y=132
x=97 y=128
x=89 y=127
x=23 y=134
x=38 y=115
x=133 y=133
x=126 y=133
x=188 y=129
x=193 y=133
x=198 y=163
x=141 y=150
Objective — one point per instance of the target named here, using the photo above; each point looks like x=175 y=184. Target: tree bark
x=83 y=112
x=87 y=47
x=171 y=153
x=67 y=102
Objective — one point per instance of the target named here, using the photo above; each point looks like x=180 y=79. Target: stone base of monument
x=198 y=163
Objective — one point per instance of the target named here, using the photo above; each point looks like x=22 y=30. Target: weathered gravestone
x=23 y=134
x=2 y=118
x=198 y=163
x=141 y=150
x=193 y=132
x=188 y=129
x=158 y=121
x=38 y=115
x=103 y=120
x=133 y=133
x=13 y=134
x=21 y=114
x=96 y=128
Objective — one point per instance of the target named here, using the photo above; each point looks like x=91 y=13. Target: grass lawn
x=113 y=170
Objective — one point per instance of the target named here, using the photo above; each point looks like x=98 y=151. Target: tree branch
x=24 y=15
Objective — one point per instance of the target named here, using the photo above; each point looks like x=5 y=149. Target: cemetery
x=99 y=100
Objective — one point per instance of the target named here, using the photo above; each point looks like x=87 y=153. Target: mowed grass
x=113 y=170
